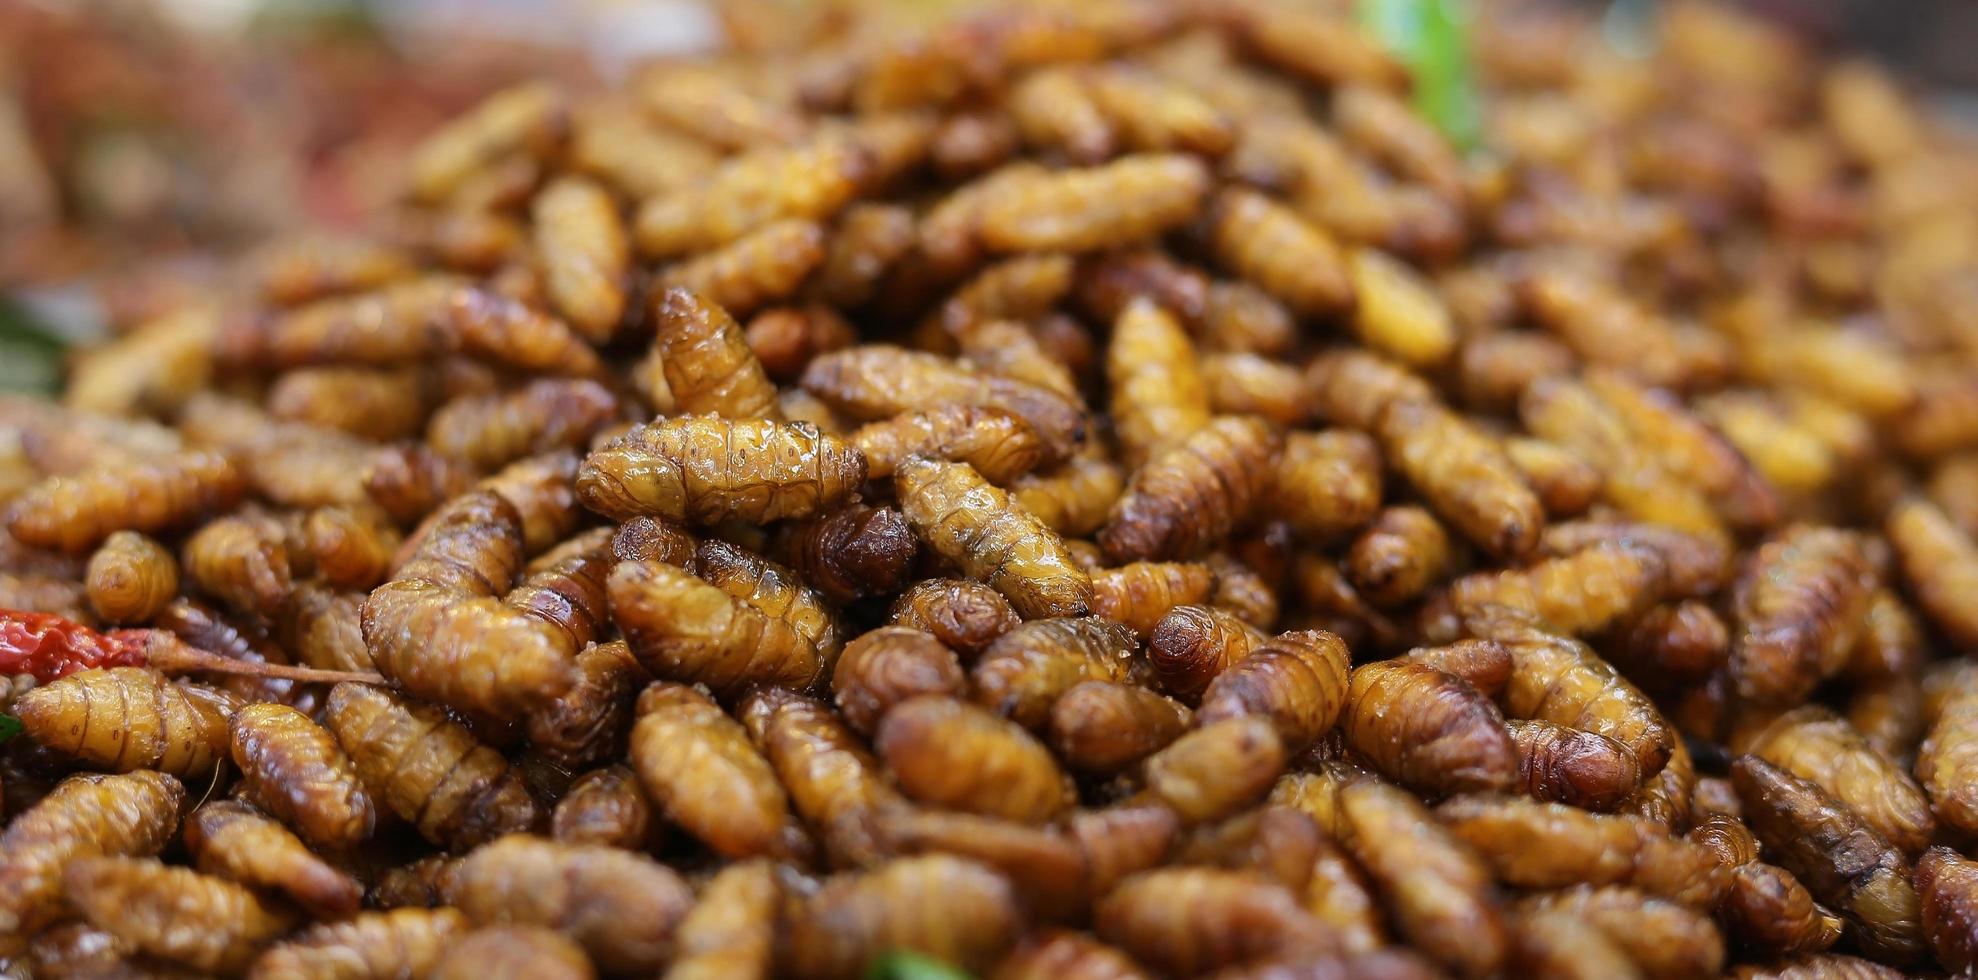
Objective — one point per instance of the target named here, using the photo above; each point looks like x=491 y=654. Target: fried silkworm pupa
x=235 y=841
x=1438 y=892
x=1697 y=565
x=1558 y=679
x=955 y=755
x=1765 y=905
x=1579 y=594
x=1665 y=940
x=1817 y=966
x=619 y=906
x=430 y=771
x=702 y=773
x=834 y=783
x=1428 y=730
x=872 y=382
x=1046 y=866
x=1565 y=765
x=1193 y=644
x=942 y=907
x=1564 y=482
x=1191 y=495
x=1485 y=664
x=588 y=723
x=702 y=356
x=1947 y=761
x=418 y=884
x=1055 y=108
x=1158 y=393
x=1940 y=563
x=888 y=665
x=1464 y=476
x=1137 y=595
x=581 y=244
x=1672 y=646
x=1326 y=483
x=1838 y=857
x=127 y=718
x=1154 y=112
x=850 y=553
x=1074 y=498
x=682 y=628
x=1064 y=954
x=965 y=616
x=1397 y=556
x=409 y=481
x=965 y=520
x=129 y=814
x=1272 y=246
x=1947 y=883
x=527 y=119
x=1397 y=312
x=1820 y=747
x=1102 y=727
x=774 y=590
x=130 y=578
x=154 y=495
x=399 y=943
x=1084 y=209
x=606 y=807
x=1216 y=769
x=1689 y=448
x=1799 y=608
x=761 y=267
x=493 y=430
x=175 y=914
x=732 y=929
x=246 y=561
x=1026 y=669
x=1298 y=680
x=514 y=953
x=1550 y=943
x=1532 y=844
x=785 y=338
x=1195 y=920
x=809 y=180
x=706 y=470
x=1001 y=446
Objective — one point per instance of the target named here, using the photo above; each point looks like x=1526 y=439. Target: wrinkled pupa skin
x=127 y=814
x=704 y=470
x=959 y=516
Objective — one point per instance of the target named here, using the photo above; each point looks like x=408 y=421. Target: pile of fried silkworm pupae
x=1077 y=490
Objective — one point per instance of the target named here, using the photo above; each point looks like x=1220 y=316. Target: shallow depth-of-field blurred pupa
x=1087 y=490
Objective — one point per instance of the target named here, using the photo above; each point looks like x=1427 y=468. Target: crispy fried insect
x=408 y=482
x=961 y=913
x=872 y=382
x=1354 y=388
x=176 y=914
x=1947 y=883
x=1083 y=209
x=1000 y=446
x=1192 y=644
x=1155 y=113
x=1549 y=943
x=1836 y=854
x=130 y=578
x=1689 y=448
x=1398 y=313
x=1566 y=412
x=1580 y=594
x=75 y=513
x=430 y=771
x=1009 y=349
x=1603 y=325
x=235 y=841
x=419 y=884
x=302 y=269
x=127 y=718
x=701 y=772
x=620 y=907
x=1025 y=670
x=1075 y=497
x=1327 y=483
x=1056 y=109
x=1438 y=892
x=295 y=771
x=1671 y=646
x=539 y=488
x=964 y=519
x=809 y=180
x=1427 y=730
x=398 y=943
x=1194 y=920
x=1697 y=565
x=701 y=362
x=1493 y=370
x=349 y=547
x=133 y=813
x=1397 y=556
x=525 y=119
x=1765 y=905
x=1799 y=608
x=322 y=628
x=245 y=561
x=1558 y=679
x=494 y=430
x=1564 y=482
x=1274 y=247
x=1046 y=865
x=868 y=240
x=786 y=338
x=954 y=755
x=965 y=616
x=1194 y=493
x=1532 y=844
x=1665 y=940
x=1104 y=727
x=1241 y=383
x=1464 y=476
x=1565 y=765
x=588 y=723
x=773 y=590
x=759 y=268
x=834 y=784
x=1817 y=966
x=683 y=628
x=705 y=470
x=1816 y=745
x=732 y=930
x=606 y=807
x=514 y=953
x=580 y=241
x=1216 y=769
x=1138 y=595
x=1485 y=664
x=889 y=665
x=648 y=539
x=1298 y=680
x=1949 y=754
x=1158 y=393
x=1240 y=317
x=1940 y=563
x=1062 y=954
x=851 y=553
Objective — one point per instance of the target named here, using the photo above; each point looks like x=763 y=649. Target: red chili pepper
x=52 y=647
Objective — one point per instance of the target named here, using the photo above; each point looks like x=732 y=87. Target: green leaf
x=902 y=965
x=1432 y=37
x=10 y=726
x=30 y=353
